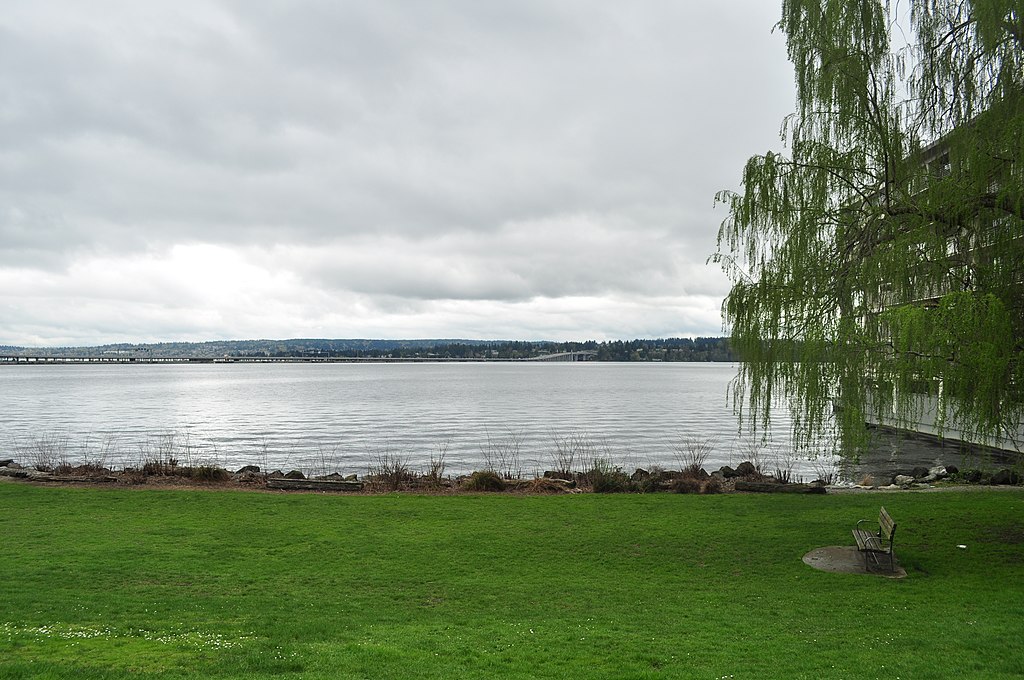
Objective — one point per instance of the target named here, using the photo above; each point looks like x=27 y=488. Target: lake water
x=344 y=417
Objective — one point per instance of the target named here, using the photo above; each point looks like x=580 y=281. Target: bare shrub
x=93 y=460
x=711 y=485
x=153 y=468
x=167 y=452
x=160 y=455
x=754 y=453
x=785 y=460
x=685 y=485
x=188 y=451
x=46 y=452
x=692 y=454
x=783 y=475
x=568 y=449
x=434 y=475
x=501 y=455
x=263 y=452
x=826 y=470
x=326 y=460
x=391 y=471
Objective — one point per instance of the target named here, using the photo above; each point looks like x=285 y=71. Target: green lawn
x=107 y=583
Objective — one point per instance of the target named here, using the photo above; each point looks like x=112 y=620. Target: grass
x=109 y=583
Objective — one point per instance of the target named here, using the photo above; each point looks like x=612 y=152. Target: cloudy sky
x=501 y=169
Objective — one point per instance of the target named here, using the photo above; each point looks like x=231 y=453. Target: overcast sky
x=502 y=169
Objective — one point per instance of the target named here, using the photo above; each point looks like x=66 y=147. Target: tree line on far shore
x=664 y=349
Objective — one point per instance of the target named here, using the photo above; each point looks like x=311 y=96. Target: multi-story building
x=986 y=248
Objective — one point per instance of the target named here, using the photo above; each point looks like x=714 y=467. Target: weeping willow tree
x=878 y=265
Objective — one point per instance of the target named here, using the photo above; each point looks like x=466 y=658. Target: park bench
x=875 y=544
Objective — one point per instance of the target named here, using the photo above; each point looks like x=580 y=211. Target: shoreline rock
x=656 y=480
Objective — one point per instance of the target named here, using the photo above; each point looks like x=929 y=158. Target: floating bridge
x=582 y=355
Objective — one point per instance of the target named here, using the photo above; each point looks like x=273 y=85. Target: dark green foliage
x=603 y=477
x=484 y=480
x=209 y=473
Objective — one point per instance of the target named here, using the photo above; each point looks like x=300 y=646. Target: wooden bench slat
x=867 y=540
x=886 y=524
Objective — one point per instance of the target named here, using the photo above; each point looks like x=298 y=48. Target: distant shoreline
x=19 y=360
x=702 y=350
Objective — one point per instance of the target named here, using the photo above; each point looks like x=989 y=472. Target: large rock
x=727 y=472
x=746 y=469
x=6 y=462
x=920 y=472
x=903 y=480
x=1004 y=477
x=248 y=468
x=295 y=474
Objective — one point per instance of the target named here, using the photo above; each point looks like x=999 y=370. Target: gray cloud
x=394 y=167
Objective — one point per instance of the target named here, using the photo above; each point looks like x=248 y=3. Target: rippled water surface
x=343 y=417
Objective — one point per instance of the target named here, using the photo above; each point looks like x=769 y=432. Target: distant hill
x=664 y=349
